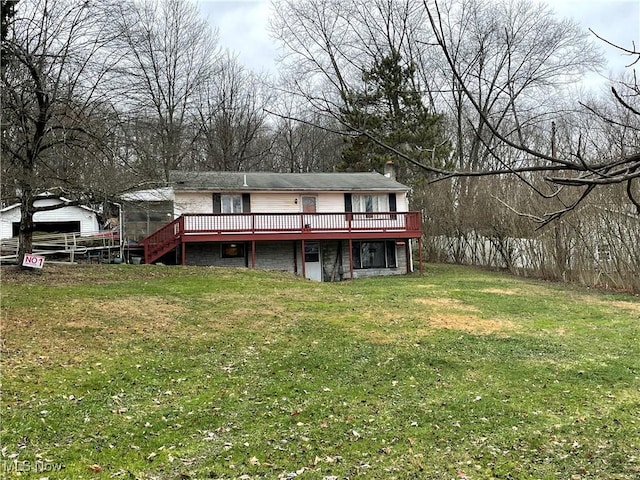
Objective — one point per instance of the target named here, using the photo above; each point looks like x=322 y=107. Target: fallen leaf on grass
x=288 y=475
x=95 y=468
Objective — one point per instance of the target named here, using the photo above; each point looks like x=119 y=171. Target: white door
x=312 y=261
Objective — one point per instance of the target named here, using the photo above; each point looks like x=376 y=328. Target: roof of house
x=257 y=181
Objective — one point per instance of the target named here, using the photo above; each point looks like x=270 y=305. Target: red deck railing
x=215 y=227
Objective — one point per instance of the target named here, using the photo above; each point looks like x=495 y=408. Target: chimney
x=390 y=170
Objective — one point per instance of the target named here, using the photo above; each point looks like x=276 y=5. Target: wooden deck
x=280 y=226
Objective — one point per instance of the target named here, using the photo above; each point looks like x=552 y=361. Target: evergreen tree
x=390 y=108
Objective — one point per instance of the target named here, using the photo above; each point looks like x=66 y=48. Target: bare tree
x=514 y=58
x=300 y=146
x=517 y=61
x=331 y=44
x=574 y=170
x=53 y=67
x=499 y=64
x=231 y=120
x=168 y=52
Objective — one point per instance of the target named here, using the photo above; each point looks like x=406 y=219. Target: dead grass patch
x=65 y=332
x=134 y=307
x=378 y=337
x=234 y=310
x=114 y=316
x=447 y=303
x=470 y=324
x=631 y=306
x=615 y=304
x=501 y=291
x=385 y=328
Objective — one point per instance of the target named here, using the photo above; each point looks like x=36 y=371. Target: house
x=67 y=219
x=323 y=226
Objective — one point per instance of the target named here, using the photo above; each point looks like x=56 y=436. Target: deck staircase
x=163 y=241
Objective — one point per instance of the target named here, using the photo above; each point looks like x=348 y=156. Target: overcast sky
x=243 y=27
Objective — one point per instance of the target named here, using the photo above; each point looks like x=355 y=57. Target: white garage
x=68 y=219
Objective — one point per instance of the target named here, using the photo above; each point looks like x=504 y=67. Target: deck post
x=351 y=258
x=183 y=245
x=295 y=258
x=303 y=261
x=407 y=254
x=420 y=251
x=253 y=254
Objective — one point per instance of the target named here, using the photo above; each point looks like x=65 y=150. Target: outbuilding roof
x=37 y=201
x=261 y=181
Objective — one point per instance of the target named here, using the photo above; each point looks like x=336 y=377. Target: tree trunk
x=25 y=234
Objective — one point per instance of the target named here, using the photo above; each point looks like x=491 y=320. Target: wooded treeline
x=479 y=104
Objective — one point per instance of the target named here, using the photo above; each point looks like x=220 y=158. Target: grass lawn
x=123 y=372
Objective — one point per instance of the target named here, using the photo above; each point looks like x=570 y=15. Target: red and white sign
x=33 y=261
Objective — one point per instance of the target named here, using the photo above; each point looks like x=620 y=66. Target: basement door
x=312 y=263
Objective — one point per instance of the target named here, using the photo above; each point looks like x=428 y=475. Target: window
x=311 y=252
x=374 y=254
x=232 y=250
x=231 y=203
x=370 y=203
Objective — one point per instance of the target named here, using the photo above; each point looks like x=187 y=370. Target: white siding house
x=324 y=226
x=76 y=218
